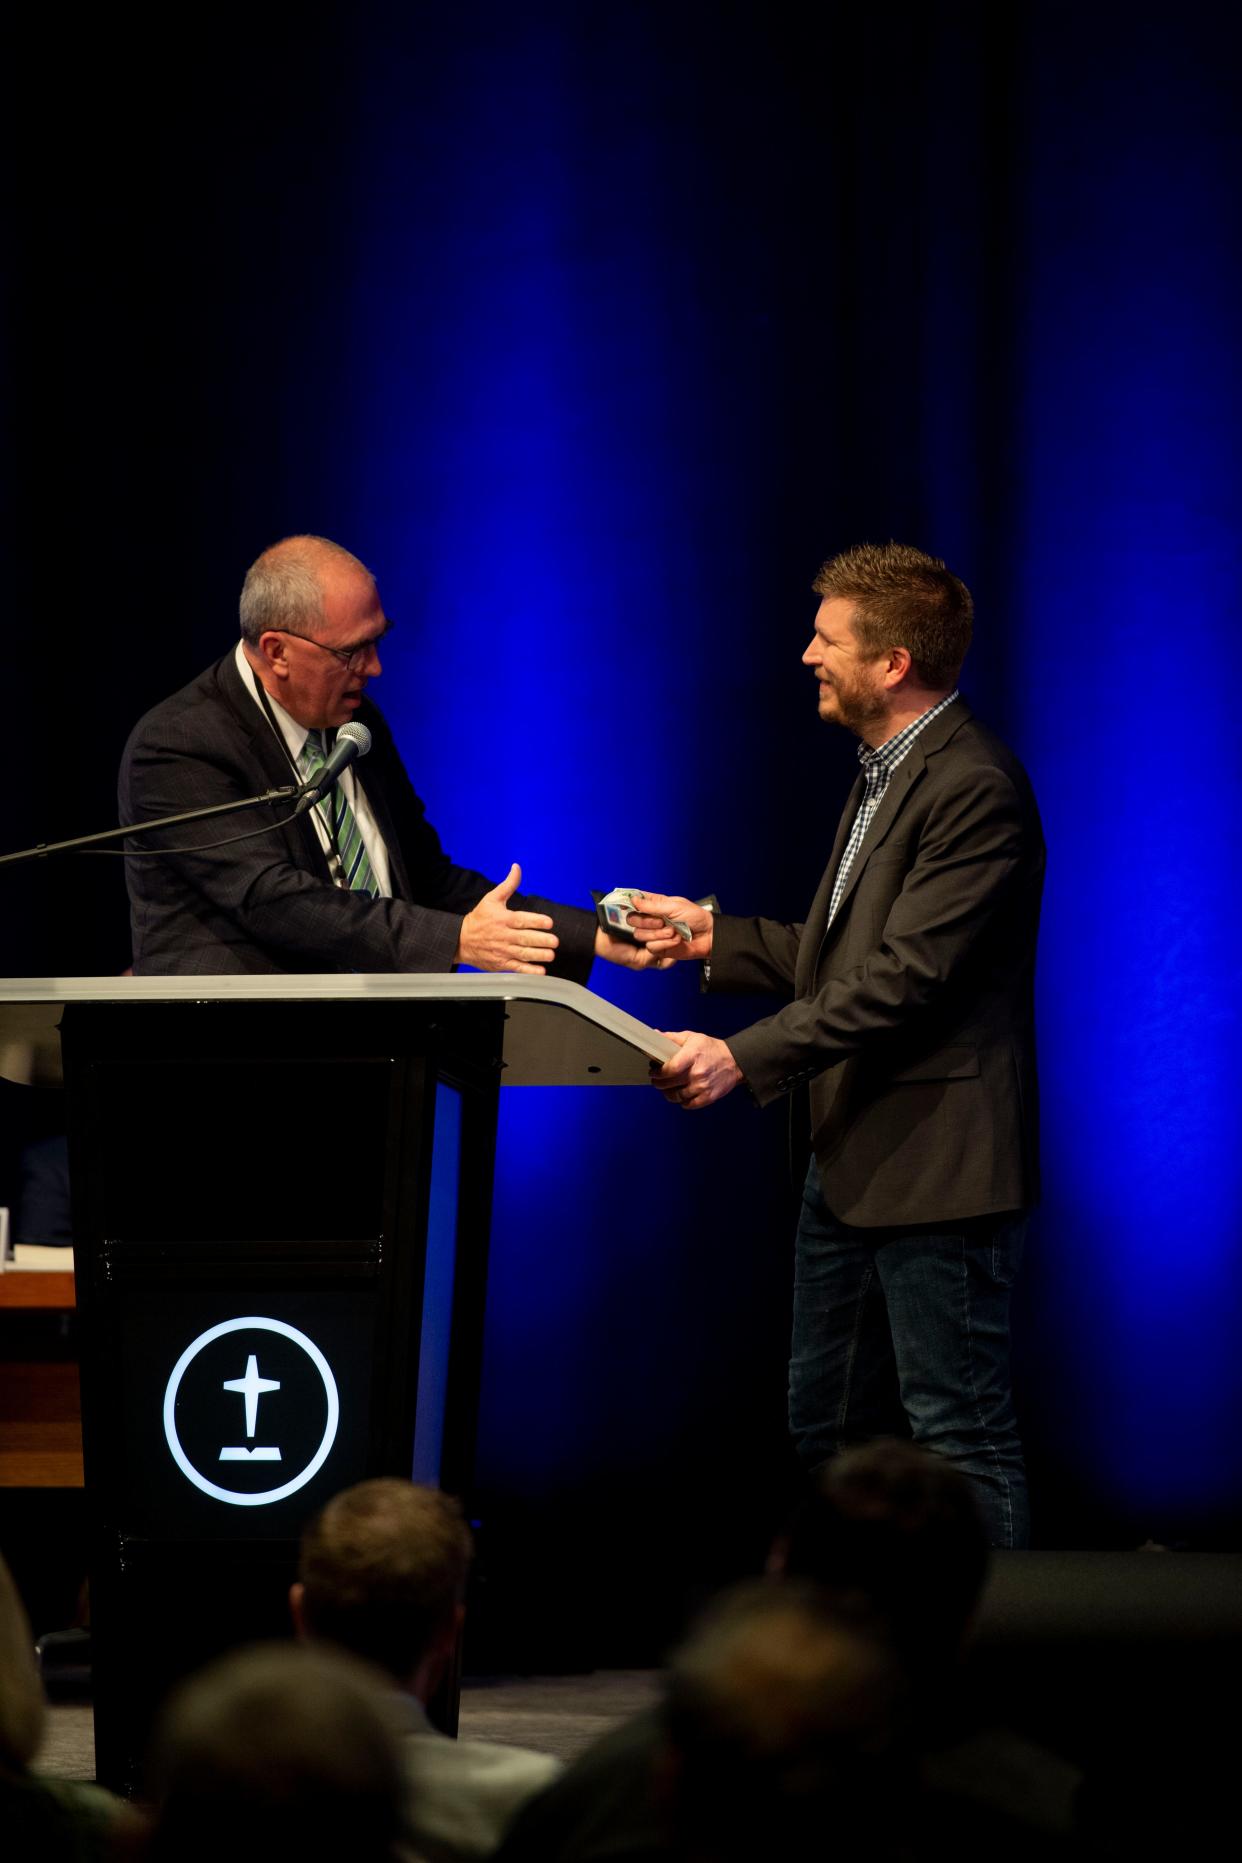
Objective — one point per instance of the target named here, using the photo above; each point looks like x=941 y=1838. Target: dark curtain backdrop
x=594 y=328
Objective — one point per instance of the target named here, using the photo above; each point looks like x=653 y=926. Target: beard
x=857 y=706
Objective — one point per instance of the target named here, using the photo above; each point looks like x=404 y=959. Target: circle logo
x=279 y=1407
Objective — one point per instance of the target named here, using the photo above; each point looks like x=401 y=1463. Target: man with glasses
x=359 y=881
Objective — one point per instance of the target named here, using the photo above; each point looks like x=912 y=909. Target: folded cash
x=615 y=909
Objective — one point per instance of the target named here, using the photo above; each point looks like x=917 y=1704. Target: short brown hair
x=382 y=1569
x=903 y=598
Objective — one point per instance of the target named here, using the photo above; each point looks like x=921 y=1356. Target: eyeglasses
x=352 y=658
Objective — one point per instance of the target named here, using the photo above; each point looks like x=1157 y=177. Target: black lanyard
x=336 y=866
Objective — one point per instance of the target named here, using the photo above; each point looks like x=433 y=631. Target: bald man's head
x=286 y=586
x=311 y=622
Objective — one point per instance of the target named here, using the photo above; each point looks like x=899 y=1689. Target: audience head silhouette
x=276 y=1751
x=895 y=1527
x=782 y=1720
x=382 y=1573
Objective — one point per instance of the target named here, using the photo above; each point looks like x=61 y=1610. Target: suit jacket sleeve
x=275 y=890
x=973 y=847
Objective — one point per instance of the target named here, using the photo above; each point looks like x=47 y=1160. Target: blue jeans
x=904 y=1332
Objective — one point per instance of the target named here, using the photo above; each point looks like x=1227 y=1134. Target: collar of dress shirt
x=294 y=734
x=885 y=757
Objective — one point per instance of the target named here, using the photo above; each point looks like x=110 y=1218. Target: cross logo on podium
x=252 y=1388
x=304 y=1392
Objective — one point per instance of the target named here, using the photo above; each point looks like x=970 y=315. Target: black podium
x=281 y=1202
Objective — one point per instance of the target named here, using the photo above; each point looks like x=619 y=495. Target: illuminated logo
x=203 y=1420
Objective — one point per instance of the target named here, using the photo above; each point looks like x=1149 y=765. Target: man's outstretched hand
x=495 y=938
x=629 y=956
x=701 y=1073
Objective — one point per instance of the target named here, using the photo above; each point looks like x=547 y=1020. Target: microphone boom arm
x=44 y=848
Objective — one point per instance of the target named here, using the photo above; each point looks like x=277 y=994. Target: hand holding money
x=671 y=926
x=616 y=913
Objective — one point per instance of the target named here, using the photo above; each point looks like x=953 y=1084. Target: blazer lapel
x=817 y=917
x=270 y=754
x=900 y=784
x=253 y=721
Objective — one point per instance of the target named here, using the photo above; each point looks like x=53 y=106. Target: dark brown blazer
x=912 y=1018
x=269 y=904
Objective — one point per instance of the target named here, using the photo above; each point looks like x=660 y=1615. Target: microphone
x=353 y=740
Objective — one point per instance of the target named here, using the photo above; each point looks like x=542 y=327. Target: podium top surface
x=558 y=1033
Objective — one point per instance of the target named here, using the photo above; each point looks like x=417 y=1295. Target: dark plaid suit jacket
x=269 y=904
x=912 y=1019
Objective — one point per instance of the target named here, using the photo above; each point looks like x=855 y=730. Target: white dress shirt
x=295 y=736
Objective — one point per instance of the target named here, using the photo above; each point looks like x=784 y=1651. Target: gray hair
x=282 y=587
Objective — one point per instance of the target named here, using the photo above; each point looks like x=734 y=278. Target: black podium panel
x=281 y=1215
x=264 y=1415
x=308 y=1155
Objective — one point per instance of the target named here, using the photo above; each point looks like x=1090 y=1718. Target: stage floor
x=558 y=1714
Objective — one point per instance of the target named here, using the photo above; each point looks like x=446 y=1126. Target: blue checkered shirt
x=878 y=765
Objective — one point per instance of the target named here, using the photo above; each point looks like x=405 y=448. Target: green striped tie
x=356 y=875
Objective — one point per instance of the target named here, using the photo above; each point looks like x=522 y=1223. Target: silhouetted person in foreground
x=783 y=1722
x=53 y=1820
x=895 y=1527
x=272 y=1752
x=890 y=1535
x=382 y=1574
